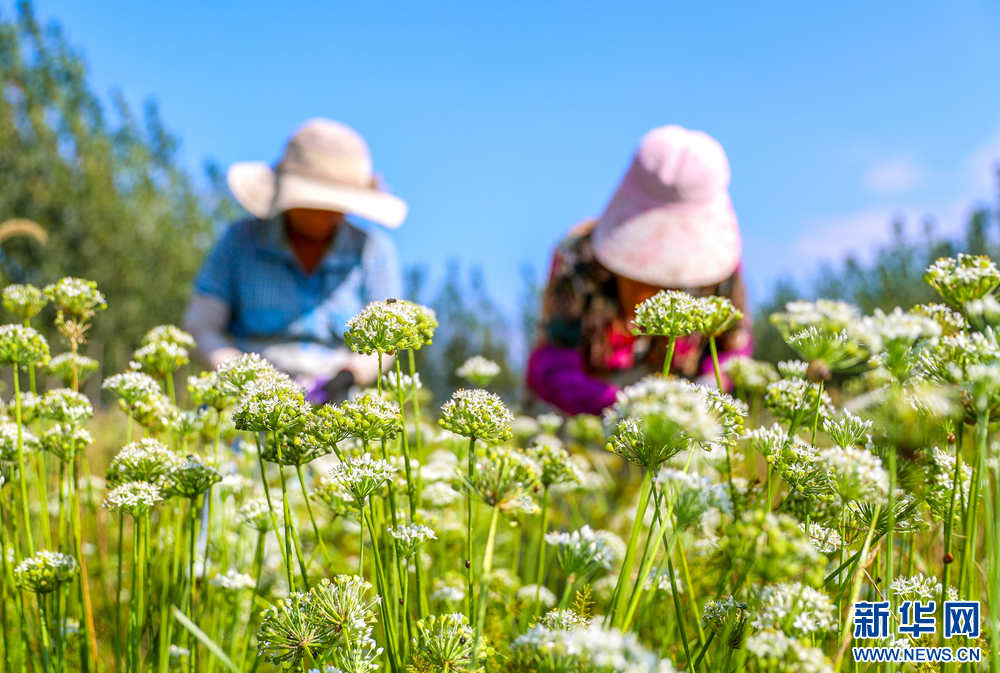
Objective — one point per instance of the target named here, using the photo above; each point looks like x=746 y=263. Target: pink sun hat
x=670 y=223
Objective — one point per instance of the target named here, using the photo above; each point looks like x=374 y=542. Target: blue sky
x=503 y=124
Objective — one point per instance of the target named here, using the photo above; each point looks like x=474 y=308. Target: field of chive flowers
x=238 y=528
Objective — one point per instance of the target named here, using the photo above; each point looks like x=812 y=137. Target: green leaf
x=205 y=640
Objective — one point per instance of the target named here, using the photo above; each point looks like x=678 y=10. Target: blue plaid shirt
x=273 y=300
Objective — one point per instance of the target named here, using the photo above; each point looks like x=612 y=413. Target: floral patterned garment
x=581 y=312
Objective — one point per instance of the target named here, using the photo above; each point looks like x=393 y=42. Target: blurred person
x=669 y=225
x=284 y=283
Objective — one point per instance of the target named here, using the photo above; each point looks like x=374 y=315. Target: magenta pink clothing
x=558 y=375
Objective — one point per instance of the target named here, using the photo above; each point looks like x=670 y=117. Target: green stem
x=484 y=593
x=22 y=472
x=669 y=359
x=470 y=599
x=274 y=517
x=540 y=568
x=312 y=518
x=626 y=572
x=856 y=588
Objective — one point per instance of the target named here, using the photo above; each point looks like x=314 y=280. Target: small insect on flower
x=134 y=498
x=385 y=327
x=22 y=346
x=24 y=301
x=410 y=538
x=477 y=414
x=145 y=460
x=363 y=476
x=45 y=572
x=62 y=366
x=478 y=371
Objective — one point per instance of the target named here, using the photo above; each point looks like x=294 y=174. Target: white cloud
x=898 y=174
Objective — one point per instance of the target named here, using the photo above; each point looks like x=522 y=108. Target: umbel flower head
x=727 y=618
x=169 y=334
x=849 y=430
x=207 y=389
x=581 y=552
x=478 y=371
x=795 y=609
x=133 y=497
x=61 y=367
x=657 y=418
x=236 y=372
x=63 y=405
x=794 y=402
x=45 y=572
x=273 y=403
x=774 y=546
x=24 y=301
x=363 y=475
x=503 y=477
x=405 y=383
x=445 y=644
x=950 y=321
x=24 y=346
x=255 y=514
x=343 y=607
x=781 y=653
x=716 y=315
x=8 y=441
x=368 y=417
x=384 y=327
x=827 y=315
x=554 y=464
x=827 y=351
x=65 y=441
x=337 y=498
x=477 y=414
x=692 y=496
x=288 y=630
x=146 y=460
x=968 y=278
x=857 y=473
x=189 y=478
x=75 y=297
x=233 y=582
x=131 y=388
x=159 y=358
x=410 y=538
x=296 y=448
x=747 y=374
x=668 y=313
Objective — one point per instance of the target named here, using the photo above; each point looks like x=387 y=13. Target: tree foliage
x=117 y=206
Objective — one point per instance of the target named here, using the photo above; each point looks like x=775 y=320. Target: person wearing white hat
x=285 y=282
x=669 y=225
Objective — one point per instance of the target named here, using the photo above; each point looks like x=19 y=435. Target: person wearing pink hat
x=669 y=225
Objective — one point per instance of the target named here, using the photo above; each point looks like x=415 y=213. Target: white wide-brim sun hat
x=670 y=223
x=326 y=166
